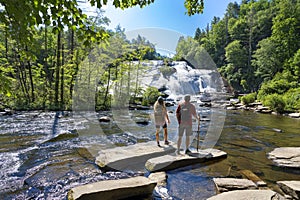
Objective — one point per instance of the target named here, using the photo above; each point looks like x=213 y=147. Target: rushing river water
x=44 y=154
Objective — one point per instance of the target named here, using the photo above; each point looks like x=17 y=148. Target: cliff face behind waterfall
x=183 y=79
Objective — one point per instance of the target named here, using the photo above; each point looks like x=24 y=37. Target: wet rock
x=159 y=177
x=267 y=111
x=231 y=108
x=263 y=109
x=294 y=115
x=234 y=101
x=169 y=162
x=132 y=157
x=291 y=188
x=286 y=157
x=205 y=104
x=8 y=112
x=104 y=119
x=138 y=107
x=169 y=104
x=228 y=184
x=142 y=121
x=248 y=195
x=255 y=104
x=114 y=189
x=277 y=130
x=160 y=191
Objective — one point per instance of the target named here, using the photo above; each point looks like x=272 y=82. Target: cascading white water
x=185 y=80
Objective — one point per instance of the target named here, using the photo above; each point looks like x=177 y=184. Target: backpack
x=185 y=113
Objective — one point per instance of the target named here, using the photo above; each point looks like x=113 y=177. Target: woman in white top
x=161 y=118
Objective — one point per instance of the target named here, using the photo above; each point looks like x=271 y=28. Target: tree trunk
x=72 y=43
x=137 y=80
x=46 y=65
x=30 y=78
x=107 y=86
x=62 y=79
x=57 y=70
x=6 y=45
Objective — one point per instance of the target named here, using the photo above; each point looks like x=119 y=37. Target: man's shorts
x=186 y=128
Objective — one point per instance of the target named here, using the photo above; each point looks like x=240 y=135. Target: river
x=44 y=154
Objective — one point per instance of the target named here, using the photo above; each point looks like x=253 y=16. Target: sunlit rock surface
x=169 y=162
x=228 y=184
x=113 y=189
x=291 y=188
x=248 y=195
x=286 y=157
x=132 y=157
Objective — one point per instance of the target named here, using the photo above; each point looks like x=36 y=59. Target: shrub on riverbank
x=292 y=99
x=282 y=93
x=275 y=102
x=249 y=98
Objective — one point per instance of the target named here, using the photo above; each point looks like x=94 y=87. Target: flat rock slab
x=286 y=157
x=291 y=188
x=294 y=115
x=169 y=162
x=228 y=184
x=113 y=189
x=131 y=157
x=248 y=195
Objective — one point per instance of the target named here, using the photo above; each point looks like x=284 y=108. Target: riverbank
x=235 y=104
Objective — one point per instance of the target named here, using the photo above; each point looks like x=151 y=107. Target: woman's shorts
x=164 y=126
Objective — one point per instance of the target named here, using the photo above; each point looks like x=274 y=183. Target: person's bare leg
x=157 y=137
x=166 y=136
x=179 y=144
x=187 y=141
x=188 y=134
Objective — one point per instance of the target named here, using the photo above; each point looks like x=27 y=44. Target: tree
x=286 y=27
x=266 y=59
x=236 y=71
x=23 y=16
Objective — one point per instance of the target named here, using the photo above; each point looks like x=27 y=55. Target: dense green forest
x=255 y=47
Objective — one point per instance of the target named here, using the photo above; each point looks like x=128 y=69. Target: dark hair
x=160 y=99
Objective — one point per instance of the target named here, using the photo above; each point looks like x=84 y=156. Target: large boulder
x=286 y=157
x=169 y=162
x=113 y=189
x=132 y=157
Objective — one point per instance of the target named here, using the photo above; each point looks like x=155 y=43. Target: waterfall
x=185 y=80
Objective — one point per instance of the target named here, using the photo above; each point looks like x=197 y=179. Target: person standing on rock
x=184 y=113
x=161 y=118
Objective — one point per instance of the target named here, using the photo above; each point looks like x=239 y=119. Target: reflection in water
x=39 y=163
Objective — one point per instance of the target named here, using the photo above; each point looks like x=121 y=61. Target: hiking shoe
x=177 y=152
x=167 y=142
x=187 y=151
x=158 y=144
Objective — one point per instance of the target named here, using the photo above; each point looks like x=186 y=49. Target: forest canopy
x=256 y=49
x=42 y=43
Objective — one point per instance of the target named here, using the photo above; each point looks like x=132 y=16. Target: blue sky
x=164 y=21
x=166 y=14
